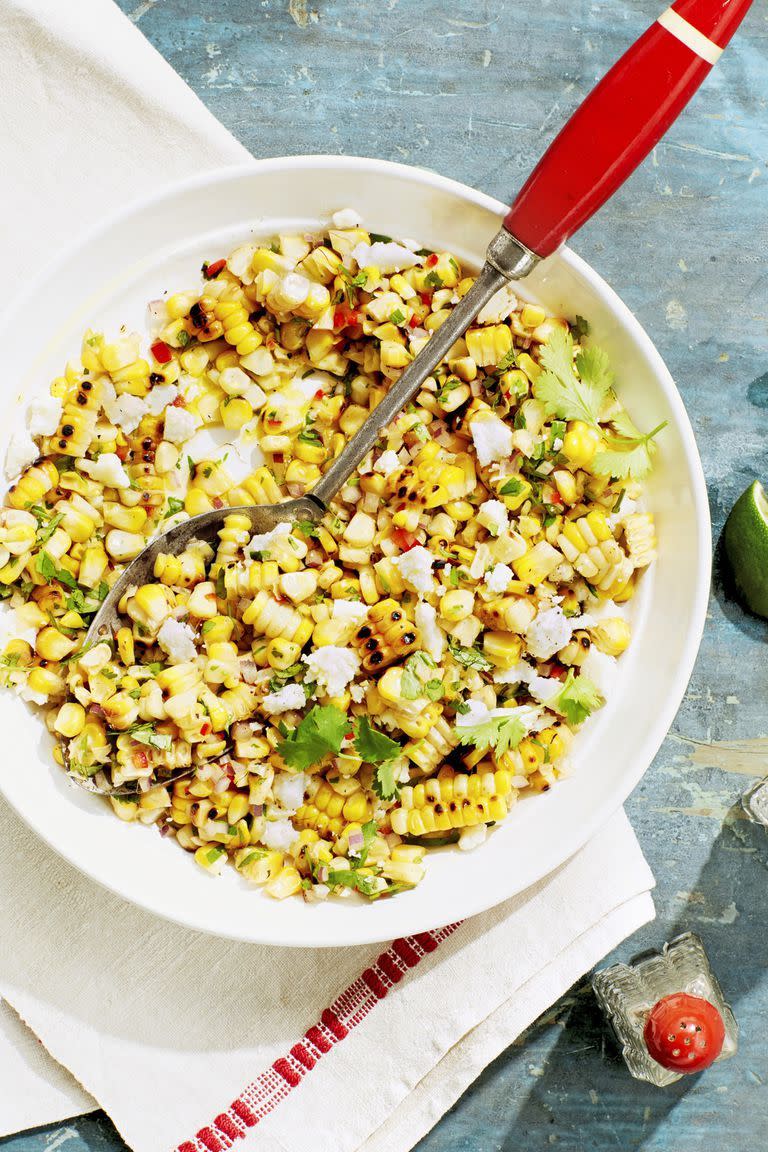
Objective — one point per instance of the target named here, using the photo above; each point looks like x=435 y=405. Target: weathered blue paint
x=475 y=90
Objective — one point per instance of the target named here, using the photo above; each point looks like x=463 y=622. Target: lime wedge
x=746 y=545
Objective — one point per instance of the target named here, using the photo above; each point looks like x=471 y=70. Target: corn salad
x=337 y=697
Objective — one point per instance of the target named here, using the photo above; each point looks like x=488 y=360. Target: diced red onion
x=294 y=489
x=323 y=873
x=249 y=670
x=241 y=730
x=221 y=785
x=356 y=841
x=157 y=313
x=258 y=810
x=314 y=558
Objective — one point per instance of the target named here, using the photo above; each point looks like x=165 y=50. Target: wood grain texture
x=475 y=90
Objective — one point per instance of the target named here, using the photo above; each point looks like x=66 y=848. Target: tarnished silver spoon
x=506 y=259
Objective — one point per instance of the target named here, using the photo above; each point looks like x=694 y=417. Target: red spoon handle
x=621 y=120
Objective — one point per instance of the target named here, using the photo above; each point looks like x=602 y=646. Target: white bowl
x=106 y=280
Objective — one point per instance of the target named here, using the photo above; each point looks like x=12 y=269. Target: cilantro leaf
x=577 y=699
x=411 y=686
x=580 y=328
x=369 y=830
x=318 y=735
x=174 y=506
x=372 y=746
x=397 y=317
x=384 y=784
x=145 y=734
x=469 y=657
x=563 y=393
x=628 y=455
x=508 y=360
x=49 y=570
x=499 y=732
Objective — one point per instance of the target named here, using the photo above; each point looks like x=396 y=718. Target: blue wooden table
x=475 y=90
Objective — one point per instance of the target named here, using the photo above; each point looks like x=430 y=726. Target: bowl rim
x=657 y=732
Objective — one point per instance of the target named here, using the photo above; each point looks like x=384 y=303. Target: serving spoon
x=599 y=147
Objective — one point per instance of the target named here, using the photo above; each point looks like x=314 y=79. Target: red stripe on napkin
x=274 y=1085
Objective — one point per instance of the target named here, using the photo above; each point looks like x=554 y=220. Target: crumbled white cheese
x=263 y=541
x=549 y=631
x=346 y=218
x=432 y=638
x=289 y=788
x=544 y=688
x=125 y=411
x=501 y=305
x=492 y=439
x=387 y=463
x=43 y=415
x=106 y=469
x=600 y=668
x=177 y=640
x=499 y=578
x=289 y=697
x=13 y=626
x=493 y=515
x=180 y=425
x=479 y=714
x=358 y=691
x=415 y=567
x=387 y=257
x=349 y=611
x=279 y=835
x=22 y=451
x=159 y=397
x=520 y=673
x=332 y=668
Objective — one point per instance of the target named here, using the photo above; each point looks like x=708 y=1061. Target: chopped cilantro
x=373 y=747
x=469 y=657
x=499 y=733
x=318 y=735
x=174 y=506
x=397 y=317
x=577 y=699
x=411 y=686
x=580 y=328
x=508 y=360
x=49 y=570
x=512 y=487
x=146 y=734
x=433 y=280
x=566 y=394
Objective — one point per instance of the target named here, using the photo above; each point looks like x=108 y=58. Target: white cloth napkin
x=183 y=1039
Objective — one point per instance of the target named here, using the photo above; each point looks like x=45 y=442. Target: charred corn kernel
x=457 y=604
x=120 y=710
x=298 y=586
x=128 y=519
x=503 y=648
x=17 y=653
x=360 y=530
x=93 y=565
x=71 y=620
x=536 y=565
x=149 y=605
x=640 y=538
x=612 y=636
x=580 y=443
x=70 y=720
x=529 y=366
x=51 y=644
x=490 y=344
x=235 y=412
x=33 y=484
x=322 y=264
x=286 y=883
x=531 y=315
x=237 y=328
x=195 y=360
x=281 y=654
x=124 y=638
x=123 y=545
x=387 y=636
x=310 y=453
x=352 y=419
x=298 y=472
x=356 y=808
x=509 y=613
x=46 y=682
x=566 y=485
x=211 y=857
x=197 y=501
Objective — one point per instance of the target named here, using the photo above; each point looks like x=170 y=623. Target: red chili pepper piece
x=211 y=271
x=122 y=451
x=431 y=260
x=205 y=728
x=344 y=316
x=278 y=457
x=140 y=759
x=557 y=498
x=684 y=1033
x=161 y=352
x=405 y=540
x=425 y=298
x=319 y=394
x=179 y=402
x=414 y=321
